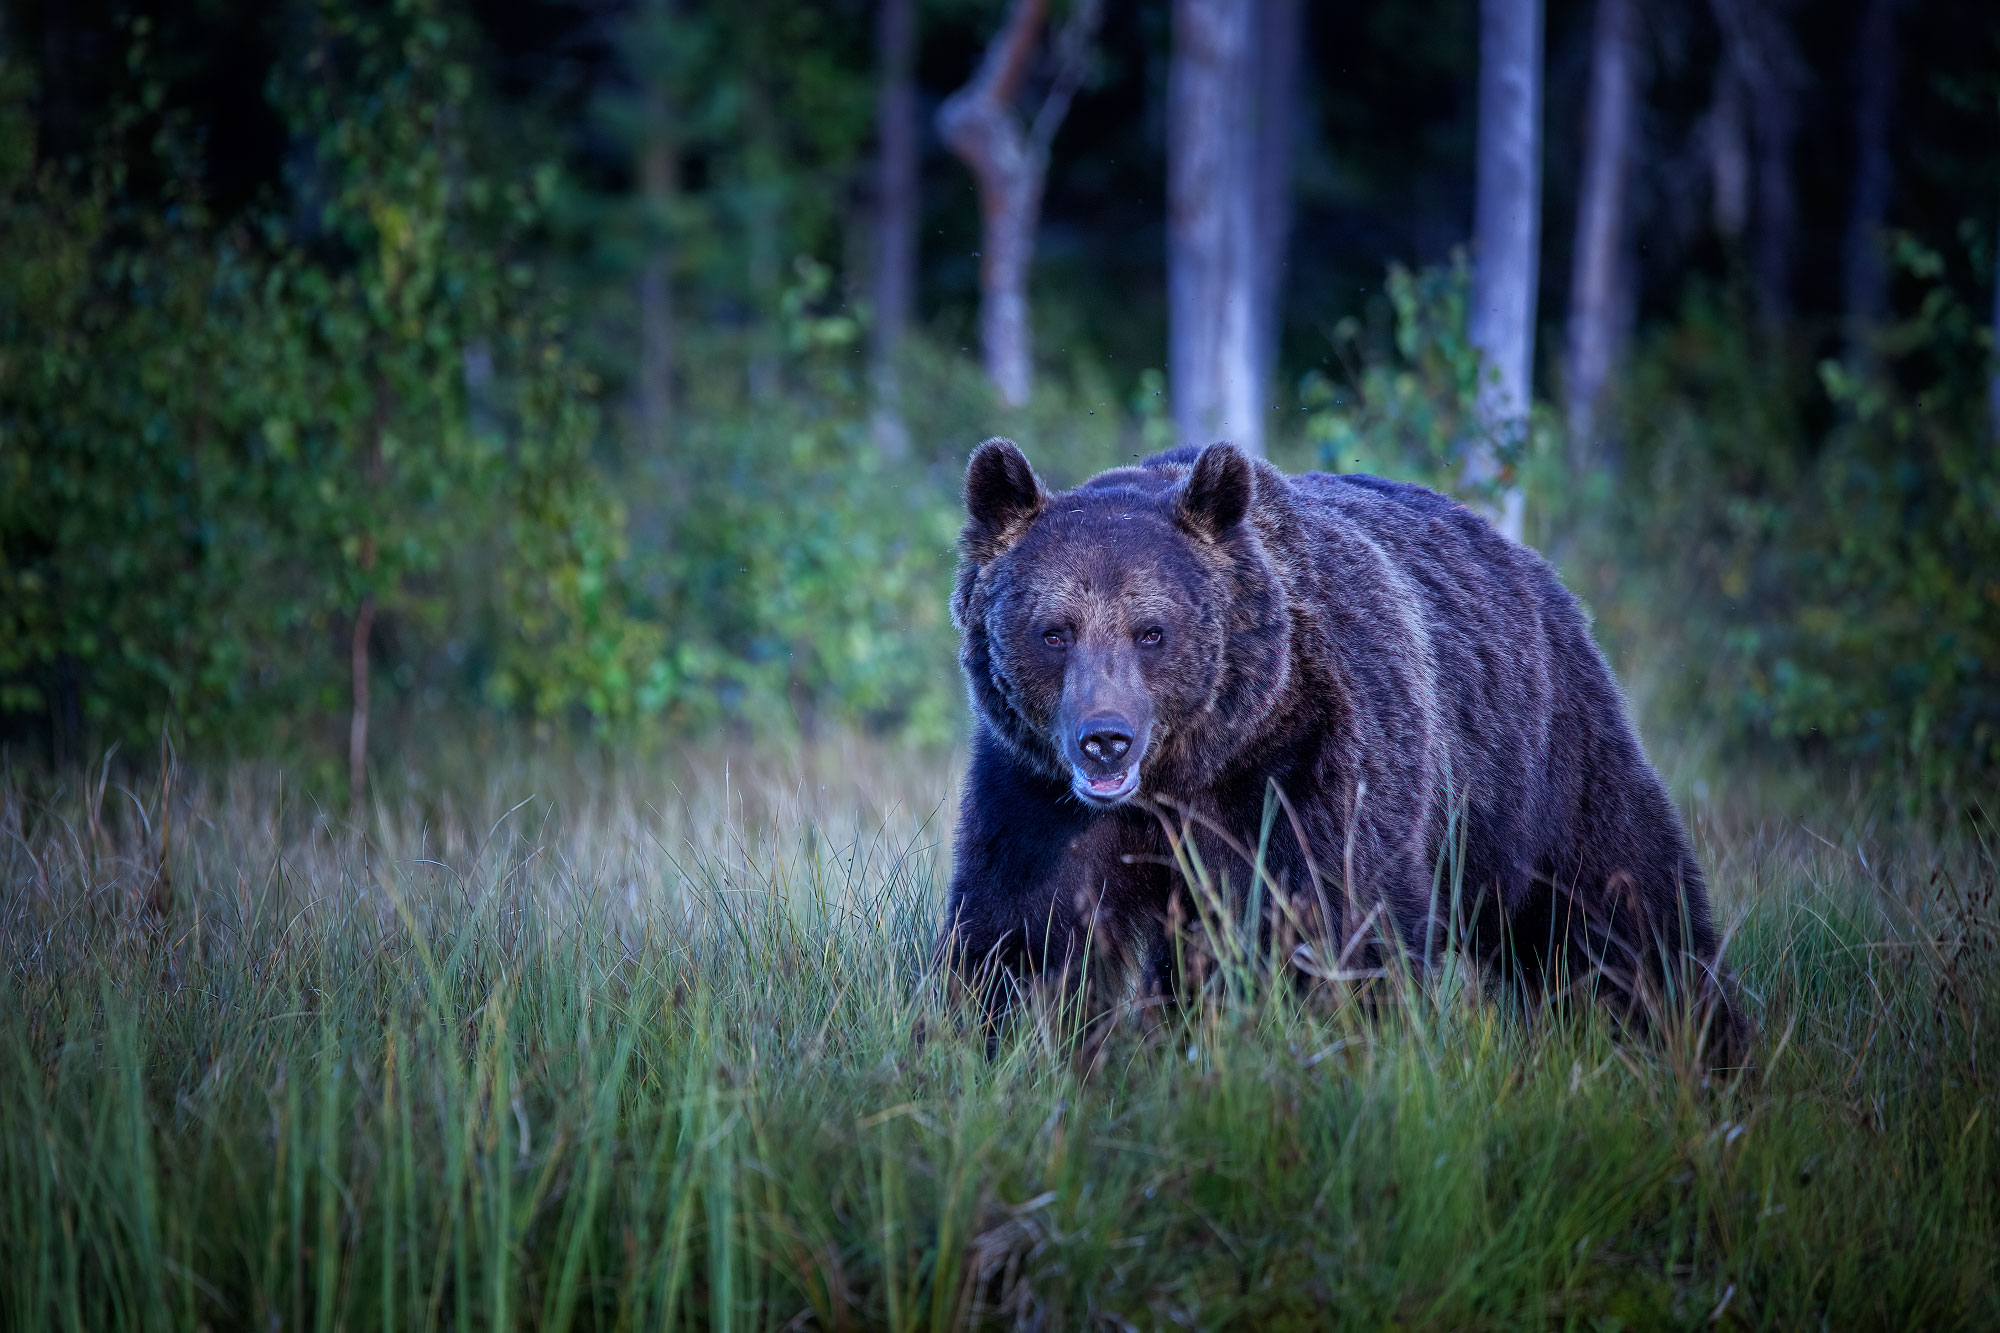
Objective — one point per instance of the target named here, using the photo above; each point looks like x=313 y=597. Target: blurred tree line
x=610 y=362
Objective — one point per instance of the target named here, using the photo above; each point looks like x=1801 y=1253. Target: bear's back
x=1466 y=570
x=1396 y=508
x=1449 y=549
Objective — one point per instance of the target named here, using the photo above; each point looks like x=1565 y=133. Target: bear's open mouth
x=1113 y=787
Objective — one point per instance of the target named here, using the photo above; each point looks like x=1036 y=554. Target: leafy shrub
x=804 y=575
x=220 y=443
x=1839 y=581
x=1824 y=566
x=800 y=580
x=1889 y=647
x=223 y=440
x=1409 y=410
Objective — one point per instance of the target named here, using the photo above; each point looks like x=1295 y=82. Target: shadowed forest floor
x=649 y=1046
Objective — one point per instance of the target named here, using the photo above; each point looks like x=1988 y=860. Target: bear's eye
x=1151 y=637
x=1054 y=638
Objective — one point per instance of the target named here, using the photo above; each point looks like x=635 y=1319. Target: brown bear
x=1177 y=645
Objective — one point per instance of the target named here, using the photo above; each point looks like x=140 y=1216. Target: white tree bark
x=1009 y=165
x=1212 y=268
x=1506 y=235
x=1595 y=300
x=895 y=216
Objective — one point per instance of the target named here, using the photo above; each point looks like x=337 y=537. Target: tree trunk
x=1728 y=156
x=1009 y=164
x=1280 y=37
x=1777 y=120
x=475 y=363
x=659 y=182
x=161 y=899
x=373 y=466
x=895 y=216
x=1506 y=239
x=357 y=720
x=1865 y=280
x=1762 y=75
x=978 y=123
x=763 y=200
x=1212 y=268
x=656 y=349
x=1594 y=294
x=1993 y=387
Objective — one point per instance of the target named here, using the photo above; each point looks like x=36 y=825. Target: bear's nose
x=1105 y=739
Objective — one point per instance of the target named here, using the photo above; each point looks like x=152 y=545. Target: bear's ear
x=1002 y=497
x=1217 y=493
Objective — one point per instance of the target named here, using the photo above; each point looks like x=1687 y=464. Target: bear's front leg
x=1041 y=886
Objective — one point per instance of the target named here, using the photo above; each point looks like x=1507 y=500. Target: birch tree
x=1594 y=293
x=1212 y=269
x=1009 y=162
x=1506 y=238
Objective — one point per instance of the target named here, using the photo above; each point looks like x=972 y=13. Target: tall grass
x=654 y=1048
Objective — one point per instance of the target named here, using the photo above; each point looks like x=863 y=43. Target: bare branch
x=978 y=123
x=1072 y=64
x=1006 y=61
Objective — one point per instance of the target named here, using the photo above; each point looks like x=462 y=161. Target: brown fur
x=1423 y=692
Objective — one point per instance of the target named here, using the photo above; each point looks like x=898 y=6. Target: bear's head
x=1126 y=637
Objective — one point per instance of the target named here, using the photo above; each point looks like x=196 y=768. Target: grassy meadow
x=624 y=1045
x=388 y=387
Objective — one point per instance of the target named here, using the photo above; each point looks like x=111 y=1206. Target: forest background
x=606 y=367
x=477 y=709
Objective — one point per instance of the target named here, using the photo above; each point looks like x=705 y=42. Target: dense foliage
x=1838 y=582
x=220 y=441
x=397 y=374
x=1829 y=587
x=513 y=358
